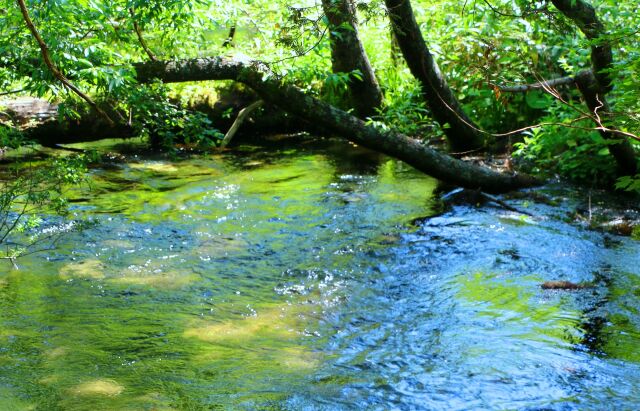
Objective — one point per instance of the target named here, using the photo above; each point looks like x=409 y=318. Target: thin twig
x=555 y=94
x=590 y=213
x=6 y=93
x=304 y=53
x=503 y=204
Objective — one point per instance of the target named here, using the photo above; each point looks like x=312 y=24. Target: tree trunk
x=294 y=101
x=396 y=53
x=91 y=127
x=622 y=151
x=348 y=55
x=584 y=16
x=228 y=42
x=595 y=84
x=39 y=120
x=462 y=134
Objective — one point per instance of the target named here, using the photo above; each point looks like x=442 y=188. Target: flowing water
x=292 y=278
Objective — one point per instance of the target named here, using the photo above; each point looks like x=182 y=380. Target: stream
x=293 y=278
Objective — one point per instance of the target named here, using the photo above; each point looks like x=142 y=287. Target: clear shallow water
x=291 y=278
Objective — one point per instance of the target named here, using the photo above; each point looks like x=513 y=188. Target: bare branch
x=6 y=93
x=522 y=88
x=138 y=31
x=242 y=116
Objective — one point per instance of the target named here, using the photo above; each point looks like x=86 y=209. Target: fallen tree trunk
x=296 y=102
x=39 y=120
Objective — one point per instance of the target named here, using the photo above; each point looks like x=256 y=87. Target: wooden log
x=294 y=101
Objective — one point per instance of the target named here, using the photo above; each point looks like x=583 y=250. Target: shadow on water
x=290 y=278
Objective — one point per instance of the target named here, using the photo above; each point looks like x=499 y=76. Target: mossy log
x=294 y=101
x=39 y=120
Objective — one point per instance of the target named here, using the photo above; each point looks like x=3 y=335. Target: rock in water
x=563 y=285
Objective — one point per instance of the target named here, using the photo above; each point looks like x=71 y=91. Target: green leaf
x=537 y=100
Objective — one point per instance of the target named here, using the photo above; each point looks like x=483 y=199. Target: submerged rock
x=89 y=268
x=100 y=387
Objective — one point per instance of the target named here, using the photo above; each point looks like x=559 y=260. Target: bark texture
x=348 y=55
x=39 y=120
x=462 y=134
x=584 y=16
x=296 y=102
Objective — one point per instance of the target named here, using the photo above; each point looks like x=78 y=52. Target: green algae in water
x=518 y=300
x=288 y=279
x=202 y=286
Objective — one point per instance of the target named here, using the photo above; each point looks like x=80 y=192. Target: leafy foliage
x=29 y=192
x=166 y=124
x=563 y=151
x=478 y=45
x=11 y=137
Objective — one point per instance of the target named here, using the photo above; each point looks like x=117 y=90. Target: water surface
x=291 y=277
